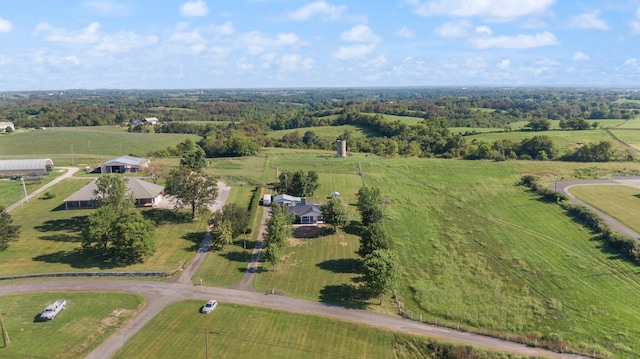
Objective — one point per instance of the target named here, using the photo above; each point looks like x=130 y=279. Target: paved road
x=69 y=173
x=564 y=187
x=160 y=294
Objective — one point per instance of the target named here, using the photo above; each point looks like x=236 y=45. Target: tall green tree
x=299 y=183
x=369 y=199
x=8 y=231
x=334 y=213
x=237 y=215
x=222 y=233
x=194 y=160
x=372 y=238
x=381 y=272
x=277 y=233
x=191 y=188
x=116 y=228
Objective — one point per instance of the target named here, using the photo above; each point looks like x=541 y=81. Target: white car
x=209 y=307
x=52 y=310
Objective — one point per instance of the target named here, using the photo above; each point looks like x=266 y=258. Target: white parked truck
x=52 y=310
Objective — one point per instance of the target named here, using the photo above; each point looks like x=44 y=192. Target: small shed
x=151 y=120
x=266 y=200
x=26 y=166
x=335 y=194
x=5 y=124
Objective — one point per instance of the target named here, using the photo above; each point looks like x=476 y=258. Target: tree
x=369 y=199
x=194 y=159
x=541 y=124
x=222 y=233
x=193 y=188
x=299 y=183
x=277 y=233
x=116 y=228
x=271 y=254
x=373 y=237
x=381 y=272
x=8 y=231
x=237 y=215
x=156 y=170
x=334 y=213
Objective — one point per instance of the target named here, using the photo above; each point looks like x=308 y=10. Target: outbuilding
x=124 y=164
x=26 y=166
x=5 y=124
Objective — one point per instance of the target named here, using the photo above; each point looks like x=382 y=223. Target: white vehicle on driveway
x=209 y=307
x=52 y=310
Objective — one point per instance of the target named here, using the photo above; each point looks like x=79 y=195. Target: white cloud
x=580 y=56
x=224 y=29
x=590 y=20
x=295 y=62
x=256 y=42
x=355 y=51
x=360 y=33
x=194 y=8
x=405 y=32
x=318 y=8
x=635 y=27
x=124 y=42
x=516 y=42
x=504 y=64
x=492 y=9
x=484 y=30
x=5 y=25
x=376 y=62
x=632 y=62
x=453 y=30
x=85 y=36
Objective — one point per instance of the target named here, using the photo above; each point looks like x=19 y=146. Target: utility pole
x=24 y=187
x=206 y=342
x=5 y=335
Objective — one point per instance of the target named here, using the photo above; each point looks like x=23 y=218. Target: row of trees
x=298 y=183
x=277 y=233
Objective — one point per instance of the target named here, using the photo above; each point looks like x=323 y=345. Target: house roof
x=305 y=209
x=6 y=124
x=151 y=119
x=139 y=188
x=127 y=161
x=25 y=165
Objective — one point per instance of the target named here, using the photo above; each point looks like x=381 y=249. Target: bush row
x=627 y=246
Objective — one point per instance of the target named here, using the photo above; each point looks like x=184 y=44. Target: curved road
x=161 y=294
x=564 y=187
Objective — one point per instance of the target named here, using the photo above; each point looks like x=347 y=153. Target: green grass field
x=50 y=238
x=404 y=119
x=84 y=145
x=235 y=331
x=87 y=321
x=620 y=202
x=12 y=190
x=476 y=249
x=328 y=133
x=630 y=137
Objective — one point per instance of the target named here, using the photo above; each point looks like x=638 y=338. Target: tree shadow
x=61 y=237
x=345 y=295
x=257 y=270
x=73 y=224
x=353 y=228
x=161 y=216
x=196 y=238
x=61 y=207
x=80 y=258
x=236 y=256
x=343 y=265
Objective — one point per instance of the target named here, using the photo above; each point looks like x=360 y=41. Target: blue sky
x=153 y=44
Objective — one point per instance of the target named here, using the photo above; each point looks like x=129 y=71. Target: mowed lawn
x=12 y=190
x=476 y=250
x=86 y=322
x=236 y=331
x=50 y=238
x=619 y=202
x=84 y=144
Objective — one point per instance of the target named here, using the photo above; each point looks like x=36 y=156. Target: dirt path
x=160 y=294
x=69 y=173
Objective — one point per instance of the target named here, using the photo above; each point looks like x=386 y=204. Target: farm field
x=87 y=321
x=563 y=140
x=329 y=133
x=476 y=249
x=236 y=331
x=91 y=145
x=409 y=120
x=620 y=202
x=50 y=238
x=630 y=137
